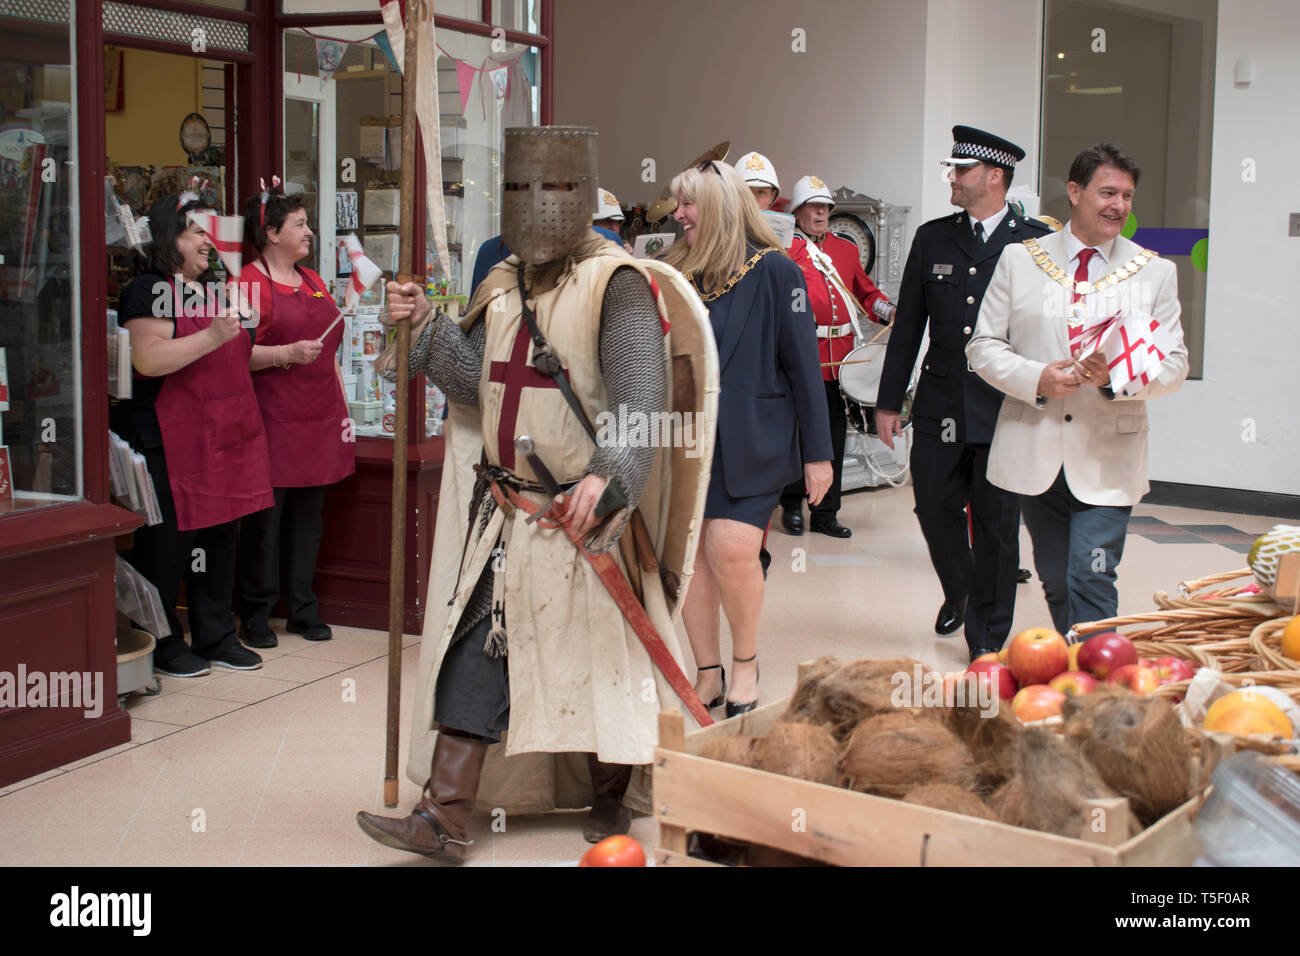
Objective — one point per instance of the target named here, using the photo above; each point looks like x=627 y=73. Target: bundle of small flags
x=227 y=235
x=1135 y=345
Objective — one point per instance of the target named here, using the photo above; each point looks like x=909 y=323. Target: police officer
x=948 y=268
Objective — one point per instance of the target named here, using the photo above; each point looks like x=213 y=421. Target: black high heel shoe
x=722 y=694
x=734 y=709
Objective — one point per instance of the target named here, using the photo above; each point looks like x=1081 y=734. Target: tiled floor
x=270 y=767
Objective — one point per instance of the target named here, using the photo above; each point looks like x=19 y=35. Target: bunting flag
x=1135 y=346
x=227 y=235
x=329 y=56
x=426 y=108
x=364 y=272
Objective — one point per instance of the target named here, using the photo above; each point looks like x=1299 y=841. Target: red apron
x=303 y=410
x=212 y=434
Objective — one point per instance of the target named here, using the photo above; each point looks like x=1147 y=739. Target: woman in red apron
x=194 y=417
x=300 y=390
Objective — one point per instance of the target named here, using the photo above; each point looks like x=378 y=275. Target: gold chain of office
x=1059 y=275
x=735 y=277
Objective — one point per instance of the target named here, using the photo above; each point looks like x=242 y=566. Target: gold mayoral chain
x=1059 y=275
x=735 y=277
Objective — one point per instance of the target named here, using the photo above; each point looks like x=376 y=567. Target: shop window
x=1141 y=77
x=522 y=15
x=342 y=148
x=40 y=348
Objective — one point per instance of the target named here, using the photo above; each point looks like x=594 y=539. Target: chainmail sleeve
x=450 y=359
x=636 y=380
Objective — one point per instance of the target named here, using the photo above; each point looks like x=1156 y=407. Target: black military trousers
x=946 y=476
x=473 y=690
x=796 y=491
x=281 y=540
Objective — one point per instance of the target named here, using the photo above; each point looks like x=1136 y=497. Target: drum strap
x=827 y=268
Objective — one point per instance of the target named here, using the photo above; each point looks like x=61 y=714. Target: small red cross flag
x=1125 y=347
x=364 y=272
x=227 y=235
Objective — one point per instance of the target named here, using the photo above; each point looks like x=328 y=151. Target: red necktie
x=1080 y=275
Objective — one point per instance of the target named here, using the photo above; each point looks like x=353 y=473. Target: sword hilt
x=527 y=449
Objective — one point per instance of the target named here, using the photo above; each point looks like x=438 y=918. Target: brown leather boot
x=437 y=827
x=607 y=816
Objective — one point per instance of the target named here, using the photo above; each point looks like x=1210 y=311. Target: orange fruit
x=619 y=850
x=1247 y=712
x=1291 y=639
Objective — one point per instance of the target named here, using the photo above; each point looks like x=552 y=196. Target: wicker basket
x=1264 y=641
x=1188 y=652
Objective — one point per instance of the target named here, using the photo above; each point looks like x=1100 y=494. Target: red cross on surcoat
x=516 y=375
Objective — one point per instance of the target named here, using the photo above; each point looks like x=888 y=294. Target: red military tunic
x=833 y=314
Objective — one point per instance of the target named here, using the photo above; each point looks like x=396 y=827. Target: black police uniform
x=948 y=269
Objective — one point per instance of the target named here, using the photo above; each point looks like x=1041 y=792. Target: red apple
x=1037 y=655
x=1174 y=668
x=1036 y=702
x=1074 y=683
x=1103 y=653
x=999 y=675
x=1139 y=678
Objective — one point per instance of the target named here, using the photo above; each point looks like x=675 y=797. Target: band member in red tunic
x=831 y=267
x=300 y=390
x=194 y=417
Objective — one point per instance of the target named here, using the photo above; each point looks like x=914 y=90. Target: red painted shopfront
x=59 y=527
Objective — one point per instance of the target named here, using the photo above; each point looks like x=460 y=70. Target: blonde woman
x=772 y=424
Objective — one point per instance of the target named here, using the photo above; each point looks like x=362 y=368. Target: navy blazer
x=772 y=410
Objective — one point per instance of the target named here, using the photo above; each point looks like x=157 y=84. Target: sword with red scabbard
x=610 y=574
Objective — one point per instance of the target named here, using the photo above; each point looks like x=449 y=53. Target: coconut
x=991 y=740
x=1051 y=788
x=810 y=677
x=944 y=796
x=737 y=749
x=797 y=750
x=890 y=754
x=1138 y=746
x=863 y=689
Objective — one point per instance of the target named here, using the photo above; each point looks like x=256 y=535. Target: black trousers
x=473 y=690
x=205 y=558
x=283 y=539
x=945 y=477
x=796 y=491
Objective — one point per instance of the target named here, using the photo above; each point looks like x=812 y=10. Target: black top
x=149 y=296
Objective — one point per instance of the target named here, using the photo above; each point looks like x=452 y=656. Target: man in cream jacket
x=1076 y=451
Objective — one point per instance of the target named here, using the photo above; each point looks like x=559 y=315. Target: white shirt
x=991 y=222
x=1097 y=264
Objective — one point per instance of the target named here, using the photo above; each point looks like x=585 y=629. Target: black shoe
x=981 y=651
x=237 y=659
x=187 y=664
x=951 y=617
x=735 y=709
x=831 y=527
x=257 y=638
x=722 y=694
x=792 y=522
x=309 y=632
x=1023 y=576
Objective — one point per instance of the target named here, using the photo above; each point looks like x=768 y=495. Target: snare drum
x=860 y=383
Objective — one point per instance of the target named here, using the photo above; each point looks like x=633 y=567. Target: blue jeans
x=1077 y=548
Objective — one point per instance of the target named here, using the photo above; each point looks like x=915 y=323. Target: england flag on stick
x=1134 y=347
x=227 y=235
x=364 y=272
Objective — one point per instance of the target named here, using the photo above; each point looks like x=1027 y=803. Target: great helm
x=810 y=189
x=539 y=224
x=757 y=170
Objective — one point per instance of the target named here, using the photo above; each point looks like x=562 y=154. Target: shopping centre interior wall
x=871 y=104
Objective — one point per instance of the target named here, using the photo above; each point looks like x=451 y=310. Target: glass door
x=309 y=161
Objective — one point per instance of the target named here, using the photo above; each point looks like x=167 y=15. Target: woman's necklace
x=731 y=282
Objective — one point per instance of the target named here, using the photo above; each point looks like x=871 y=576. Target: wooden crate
x=841 y=827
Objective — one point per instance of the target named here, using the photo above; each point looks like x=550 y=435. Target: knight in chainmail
x=603 y=323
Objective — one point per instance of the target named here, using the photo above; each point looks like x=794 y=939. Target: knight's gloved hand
x=406 y=302
x=581 y=517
